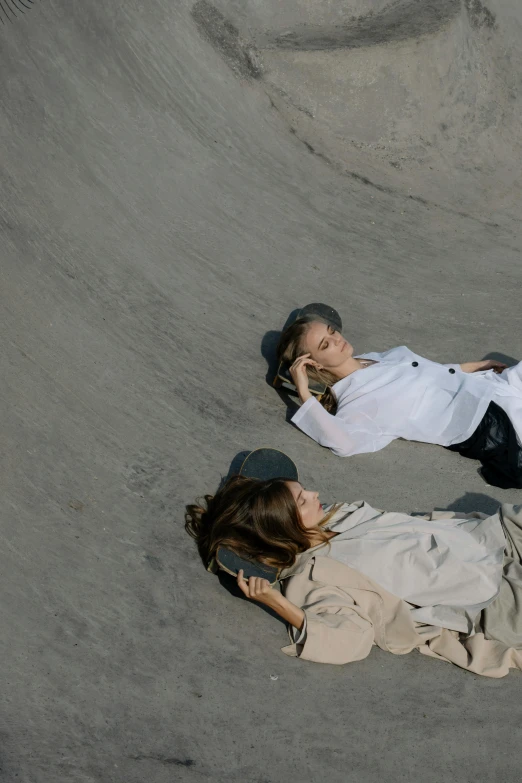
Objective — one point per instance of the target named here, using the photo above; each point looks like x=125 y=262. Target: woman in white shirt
x=474 y=408
x=353 y=576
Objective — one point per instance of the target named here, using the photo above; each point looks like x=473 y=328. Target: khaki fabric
x=347 y=613
x=502 y=620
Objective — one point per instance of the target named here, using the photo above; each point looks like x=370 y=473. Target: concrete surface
x=175 y=178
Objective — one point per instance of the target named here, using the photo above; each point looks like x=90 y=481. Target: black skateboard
x=260 y=464
x=283 y=379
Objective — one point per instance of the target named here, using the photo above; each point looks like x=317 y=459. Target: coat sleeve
x=343 y=437
x=337 y=631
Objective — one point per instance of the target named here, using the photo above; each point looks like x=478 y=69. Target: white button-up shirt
x=406 y=396
x=448 y=568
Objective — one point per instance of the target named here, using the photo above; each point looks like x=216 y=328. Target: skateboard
x=260 y=464
x=311 y=312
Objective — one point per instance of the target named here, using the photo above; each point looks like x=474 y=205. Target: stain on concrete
x=240 y=55
x=384 y=188
x=479 y=15
x=154 y=562
x=146 y=472
x=397 y=22
x=165 y=760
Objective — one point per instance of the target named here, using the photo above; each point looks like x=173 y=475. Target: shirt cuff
x=299 y=636
x=303 y=410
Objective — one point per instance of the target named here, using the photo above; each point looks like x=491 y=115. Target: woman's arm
x=357 y=435
x=337 y=631
x=485 y=364
x=261 y=591
x=300 y=376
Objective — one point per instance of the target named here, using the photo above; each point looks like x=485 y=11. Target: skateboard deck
x=260 y=464
x=311 y=311
x=269 y=463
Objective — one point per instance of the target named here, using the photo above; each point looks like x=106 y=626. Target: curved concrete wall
x=173 y=184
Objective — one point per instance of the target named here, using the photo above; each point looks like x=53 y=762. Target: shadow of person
x=269 y=347
x=501 y=357
x=473 y=501
x=230 y=584
x=235 y=465
x=269 y=352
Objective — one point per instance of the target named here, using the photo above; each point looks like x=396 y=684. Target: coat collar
x=326 y=569
x=348 y=515
x=302 y=561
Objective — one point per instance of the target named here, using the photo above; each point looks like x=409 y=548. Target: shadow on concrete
x=235 y=465
x=230 y=584
x=473 y=501
x=501 y=357
x=269 y=353
x=269 y=346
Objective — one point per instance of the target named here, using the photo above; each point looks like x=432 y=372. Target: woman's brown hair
x=259 y=520
x=291 y=346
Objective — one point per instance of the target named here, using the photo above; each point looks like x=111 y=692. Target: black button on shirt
x=452 y=371
x=415 y=364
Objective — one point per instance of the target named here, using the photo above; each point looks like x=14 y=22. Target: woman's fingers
x=305 y=360
x=252 y=592
x=242 y=582
x=302 y=362
x=492 y=364
x=298 y=372
x=255 y=588
x=262 y=590
x=258 y=586
x=298 y=363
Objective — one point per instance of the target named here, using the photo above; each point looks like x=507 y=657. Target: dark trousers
x=495 y=444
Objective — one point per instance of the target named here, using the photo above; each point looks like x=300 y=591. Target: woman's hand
x=300 y=377
x=258 y=589
x=485 y=364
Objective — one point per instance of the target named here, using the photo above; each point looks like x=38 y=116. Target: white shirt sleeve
x=299 y=636
x=343 y=437
x=513 y=375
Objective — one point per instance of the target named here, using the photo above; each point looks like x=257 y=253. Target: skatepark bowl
x=176 y=178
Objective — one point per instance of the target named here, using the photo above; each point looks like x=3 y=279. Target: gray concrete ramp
x=175 y=178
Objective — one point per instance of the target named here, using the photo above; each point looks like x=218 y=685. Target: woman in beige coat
x=352 y=576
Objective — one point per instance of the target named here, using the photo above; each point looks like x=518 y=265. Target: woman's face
x=310 y=510
x=326 y=346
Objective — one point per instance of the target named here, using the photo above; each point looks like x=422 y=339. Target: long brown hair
x=291 y=346
x=259 y=520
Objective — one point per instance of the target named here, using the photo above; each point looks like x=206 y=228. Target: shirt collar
x=354 y=375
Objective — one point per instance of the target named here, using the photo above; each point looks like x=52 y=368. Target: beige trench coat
x=347 y=613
